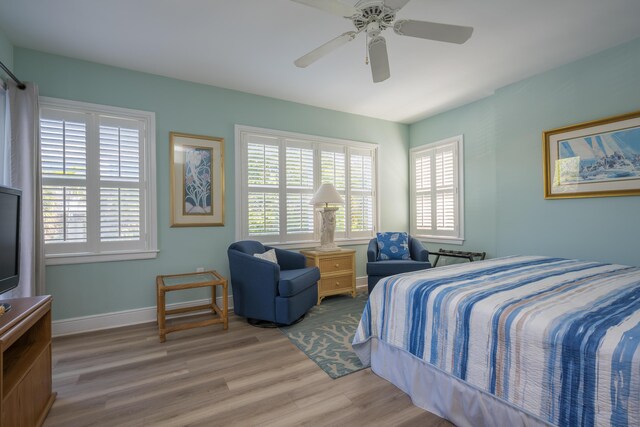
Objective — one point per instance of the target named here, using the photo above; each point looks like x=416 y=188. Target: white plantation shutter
x=299 y=164
x=436 y=193
x=280 y=173
x=122 y=189
x=63 y=139
x=263 y=178
x=361 y=209
x=98 y=189
x=333 y=170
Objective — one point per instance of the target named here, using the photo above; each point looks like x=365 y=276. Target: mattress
x=556 y=339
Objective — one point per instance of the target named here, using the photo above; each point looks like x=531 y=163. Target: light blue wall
x=603 y=229
x=6 y=52
x=86 y=289
x=503 y=162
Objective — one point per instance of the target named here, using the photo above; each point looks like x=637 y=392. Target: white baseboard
x=97 y=322
x=361 y=282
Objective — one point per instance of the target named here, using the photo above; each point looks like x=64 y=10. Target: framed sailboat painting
x=594 y=159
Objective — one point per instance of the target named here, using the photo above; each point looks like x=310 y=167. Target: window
x=280 y=171
x=437 y=211
x=98 y=182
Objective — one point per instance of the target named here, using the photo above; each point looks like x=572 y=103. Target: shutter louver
x=445 y=191
x=120 y=198
x=63 y=148
x=63 y=152
x=332 y=170
x=422 y=182
x=263 y=165
x=119 y=153
x=64 y=212
x=299 y=179
x=119 y=214
x=264 y=214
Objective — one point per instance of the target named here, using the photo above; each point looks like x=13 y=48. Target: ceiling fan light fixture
x=373 y=17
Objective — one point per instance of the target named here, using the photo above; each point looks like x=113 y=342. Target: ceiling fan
x=373 y=17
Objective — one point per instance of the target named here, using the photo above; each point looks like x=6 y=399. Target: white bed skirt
x=440 y=393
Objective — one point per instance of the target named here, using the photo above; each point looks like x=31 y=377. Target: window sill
x=444 y=240
x=311 y=245
x=83 y=258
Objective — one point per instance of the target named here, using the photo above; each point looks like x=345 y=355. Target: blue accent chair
x=262 y=290
x=376 y=269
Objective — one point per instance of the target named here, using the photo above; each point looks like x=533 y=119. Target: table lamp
x=327 y=194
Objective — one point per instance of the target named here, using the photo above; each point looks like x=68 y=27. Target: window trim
x=150 y=249
x=240 y=192
x=454 y=240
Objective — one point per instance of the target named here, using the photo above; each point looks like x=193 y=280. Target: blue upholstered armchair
x=377 y=269
x=262 y=290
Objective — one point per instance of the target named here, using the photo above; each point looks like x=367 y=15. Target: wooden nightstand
x=337 y=271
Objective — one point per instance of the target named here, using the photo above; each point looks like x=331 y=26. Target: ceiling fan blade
x=395 y=5
x=314 y=55
x=433 y=31
x=379 y=59
x=332 y=6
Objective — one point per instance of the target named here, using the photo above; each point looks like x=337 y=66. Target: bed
x=511 y=341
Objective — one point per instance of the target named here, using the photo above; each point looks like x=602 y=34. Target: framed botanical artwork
x=595 y=159
x=197 y=180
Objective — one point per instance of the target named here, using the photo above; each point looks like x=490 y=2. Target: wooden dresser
x=337 y=271
x=25 y=379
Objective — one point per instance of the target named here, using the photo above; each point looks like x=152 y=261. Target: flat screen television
x=10 y=199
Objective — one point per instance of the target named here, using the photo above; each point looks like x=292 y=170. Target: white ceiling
x=250 y=45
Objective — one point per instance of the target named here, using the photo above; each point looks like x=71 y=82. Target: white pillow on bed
x=269 y=255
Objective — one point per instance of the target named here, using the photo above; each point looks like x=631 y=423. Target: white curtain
x=5 y=154
x=24 y=149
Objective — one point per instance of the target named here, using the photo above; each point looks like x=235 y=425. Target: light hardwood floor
x=206 y=377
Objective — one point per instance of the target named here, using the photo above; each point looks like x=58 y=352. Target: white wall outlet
x=199 y=269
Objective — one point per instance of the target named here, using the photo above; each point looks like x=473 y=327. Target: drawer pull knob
x=337 y=265
x=337 y=283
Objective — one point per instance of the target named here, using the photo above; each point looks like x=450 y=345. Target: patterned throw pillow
x=393 y=246
x=269 y=255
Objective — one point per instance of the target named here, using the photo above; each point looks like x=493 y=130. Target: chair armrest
x=372 y=250
x=289 y=260
x=417 y=250
x=251 y=272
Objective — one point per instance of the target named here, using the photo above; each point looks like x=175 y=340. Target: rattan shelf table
x=179 y=282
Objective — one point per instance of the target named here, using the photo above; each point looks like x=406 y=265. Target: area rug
x=325 y=334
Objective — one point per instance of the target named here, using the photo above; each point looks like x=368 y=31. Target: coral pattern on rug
x=325 y=334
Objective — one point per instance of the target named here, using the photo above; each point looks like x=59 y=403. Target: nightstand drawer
x=339 y=263
x=344 y=281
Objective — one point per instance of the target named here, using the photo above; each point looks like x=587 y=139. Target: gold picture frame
x=197 y=180
x=600 y=158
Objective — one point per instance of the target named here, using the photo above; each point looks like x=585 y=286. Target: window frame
x=241 y=185
x=414 y=152
x=94 y=251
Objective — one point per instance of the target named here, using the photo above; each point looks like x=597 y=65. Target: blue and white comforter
x=558 y=338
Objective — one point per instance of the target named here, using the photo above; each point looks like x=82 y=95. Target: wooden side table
x=178 y=282
x=337 y=271
x=25 y=362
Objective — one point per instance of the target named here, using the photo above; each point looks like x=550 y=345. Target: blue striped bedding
x=557 y=338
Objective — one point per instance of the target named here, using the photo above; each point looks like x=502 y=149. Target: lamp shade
x=326 y=194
